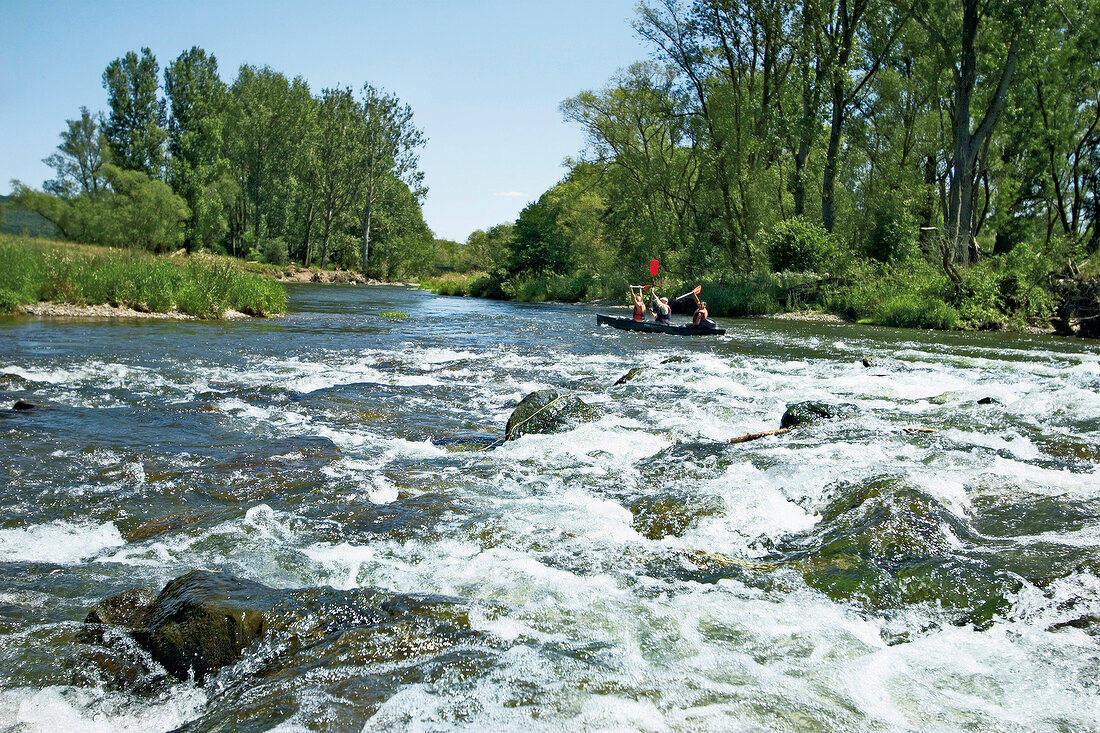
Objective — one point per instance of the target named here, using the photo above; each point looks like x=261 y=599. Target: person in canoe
x=701 y=313
x=639 y=303
x=662 y=312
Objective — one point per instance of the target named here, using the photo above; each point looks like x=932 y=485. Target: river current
x=636 y=572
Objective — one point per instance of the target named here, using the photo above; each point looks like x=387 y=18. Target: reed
x=204 y=286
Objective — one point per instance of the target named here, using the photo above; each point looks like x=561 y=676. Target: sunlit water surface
x=634 y=573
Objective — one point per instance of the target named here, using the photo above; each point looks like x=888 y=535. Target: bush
x=274 y=251
x=9 y=300
x=801 y=245
x=893 y=235
x=911 y=310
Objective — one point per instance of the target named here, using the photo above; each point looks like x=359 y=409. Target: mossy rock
x=807 y=413
x=202 y=621
x=664 y=515
x=549 y=411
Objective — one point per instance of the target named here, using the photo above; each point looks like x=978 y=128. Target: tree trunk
x=324 y=249
x=958 y=228
x=828 y=183
x=305 y=242
x=367 y=211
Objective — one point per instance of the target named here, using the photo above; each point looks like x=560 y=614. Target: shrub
x=893 y=235
x=9 y=300
x=801 y=245
x=274 y=251
x=910 y=310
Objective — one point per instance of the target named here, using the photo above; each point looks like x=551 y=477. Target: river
x=633 y=573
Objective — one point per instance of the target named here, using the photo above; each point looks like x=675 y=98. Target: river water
x=633 y=573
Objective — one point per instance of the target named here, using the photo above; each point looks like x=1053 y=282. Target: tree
x=977 y=78
x=389 y=143
x=335 y=175
x=197 y=167
x=138 y=212
x=78 y=158
x=270 y=122
x=539 y=246
x=135 y=127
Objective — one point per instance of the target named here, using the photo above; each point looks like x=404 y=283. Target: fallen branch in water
x=914 y=431
x=758 y=436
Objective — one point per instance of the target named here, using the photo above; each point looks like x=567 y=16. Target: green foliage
x=539 y=246
x=138 y=212
x=800 y=245
x=32 y=271
x=893 y=235
x=393 y=314
x=135 y=127
x=274 y=251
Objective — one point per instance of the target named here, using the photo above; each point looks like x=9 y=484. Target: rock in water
x=549 y=411
x=805 y=413
x=202 y=621
x=129 y=609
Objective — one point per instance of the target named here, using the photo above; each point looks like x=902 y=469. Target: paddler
x=701 y=312
x=661 y=310
x=639 y=303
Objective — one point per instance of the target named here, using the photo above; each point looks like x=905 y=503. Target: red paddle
x=653 y=265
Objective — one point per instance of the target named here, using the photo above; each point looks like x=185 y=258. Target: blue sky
x=484 y=79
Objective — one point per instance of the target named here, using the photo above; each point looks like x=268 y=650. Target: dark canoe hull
x=629 y=324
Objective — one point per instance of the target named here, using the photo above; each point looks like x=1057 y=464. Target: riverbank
x=916 y=295
x=40 y=277
x=104 y=311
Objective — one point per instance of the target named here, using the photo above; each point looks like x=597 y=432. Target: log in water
x=927 y=561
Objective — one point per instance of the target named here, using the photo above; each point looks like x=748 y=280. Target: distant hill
x=21 y=221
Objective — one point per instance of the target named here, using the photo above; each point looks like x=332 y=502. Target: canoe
x=629 y=324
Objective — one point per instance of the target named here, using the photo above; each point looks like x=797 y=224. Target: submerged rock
x=549 y=411
x=885 y=544
x=202 y=621
x=129 y=609
x=806 y=413
x=657 y=517
x=634 y=371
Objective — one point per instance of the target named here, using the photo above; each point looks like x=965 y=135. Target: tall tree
x=978 y=78
x=389 y=152
x=269 y=125
x=336 y=175
x=197 y=167
x=135 y=126
x=79 y=157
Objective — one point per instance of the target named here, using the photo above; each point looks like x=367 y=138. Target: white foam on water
x=57 y=708
x=60 y=542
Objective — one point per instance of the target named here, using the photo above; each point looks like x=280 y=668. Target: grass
x=33 y=270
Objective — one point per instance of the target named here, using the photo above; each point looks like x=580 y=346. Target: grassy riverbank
x=1002 y=293
x=35 y=270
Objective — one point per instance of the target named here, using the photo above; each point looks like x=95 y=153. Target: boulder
x=634 y=371
x=549 y=411
x=806 y=413
x=129 y=609
x=202 y=621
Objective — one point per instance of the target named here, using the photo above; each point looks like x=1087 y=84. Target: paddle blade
x=646 y=287
x=698 y=289
x=653 y=265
